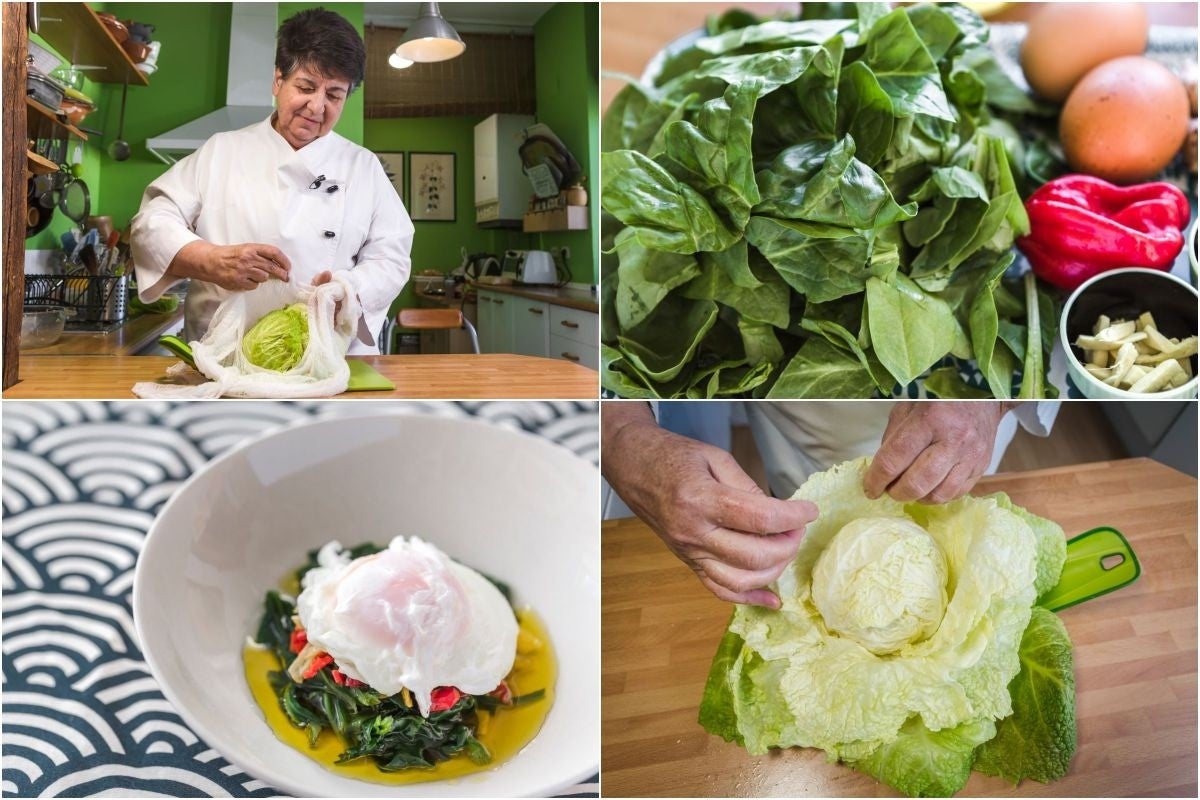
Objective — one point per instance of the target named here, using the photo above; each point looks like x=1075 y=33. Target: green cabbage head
x=278 y=340
x=899 y=639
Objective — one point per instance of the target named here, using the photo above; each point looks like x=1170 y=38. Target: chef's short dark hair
x=323 y=41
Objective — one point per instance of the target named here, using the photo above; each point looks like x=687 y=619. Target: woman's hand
x=236 y=267
x=934 y=452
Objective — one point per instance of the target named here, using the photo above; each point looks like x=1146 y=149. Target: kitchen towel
x=82 y=715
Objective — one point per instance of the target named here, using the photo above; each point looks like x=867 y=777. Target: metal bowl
x=42 y=326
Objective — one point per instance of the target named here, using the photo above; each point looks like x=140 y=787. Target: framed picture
x=393 y=165
x=431 y=187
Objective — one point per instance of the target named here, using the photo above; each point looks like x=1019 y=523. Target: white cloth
x=251 y=186
x=321 y=372
x=799 y=438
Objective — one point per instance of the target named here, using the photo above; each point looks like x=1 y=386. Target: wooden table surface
x=631 y=33
x=489 y=376
x=1135 y=657
x=126 y=340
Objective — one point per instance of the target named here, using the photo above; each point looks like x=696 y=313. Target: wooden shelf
x=36 y=165
x=566 y=218
x=39 y=114
x=79 y=36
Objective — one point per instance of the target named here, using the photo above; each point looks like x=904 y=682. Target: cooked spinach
x=820 y=207
x=385 y=729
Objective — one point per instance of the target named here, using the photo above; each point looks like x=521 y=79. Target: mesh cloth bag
x=222 y=370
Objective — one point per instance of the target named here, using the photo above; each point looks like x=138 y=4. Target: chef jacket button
x=329 y=234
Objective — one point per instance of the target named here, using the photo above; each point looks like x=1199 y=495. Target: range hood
x=248 y=96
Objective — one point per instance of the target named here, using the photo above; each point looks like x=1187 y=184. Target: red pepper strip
x=444 y=697
x=1081 y=226
x=319 y=663
x=298 y=639
x=341 y=679
x=502 y=693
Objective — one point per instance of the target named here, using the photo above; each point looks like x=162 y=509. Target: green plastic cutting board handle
x=179 y=347
x=1085 y=575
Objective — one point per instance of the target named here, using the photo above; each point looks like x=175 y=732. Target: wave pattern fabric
x=82 y=715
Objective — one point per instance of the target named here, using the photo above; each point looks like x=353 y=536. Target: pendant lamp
x=430 y=38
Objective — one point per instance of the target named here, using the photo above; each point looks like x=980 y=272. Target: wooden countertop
x=633 y=32
x=580 y=299
x=1135 y=657
x=136 y=333
x=416 y=376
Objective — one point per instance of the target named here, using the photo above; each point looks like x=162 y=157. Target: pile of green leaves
x=384 y=728
x=820 y=208
x=991 y=690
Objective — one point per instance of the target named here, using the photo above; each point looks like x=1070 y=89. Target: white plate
x=514 y=506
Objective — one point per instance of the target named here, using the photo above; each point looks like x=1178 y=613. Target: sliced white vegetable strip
x=1158 y=378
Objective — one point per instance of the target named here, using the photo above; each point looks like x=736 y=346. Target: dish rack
x=95 y=298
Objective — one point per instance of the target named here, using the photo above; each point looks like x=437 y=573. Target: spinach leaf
x=821 y=370
x=815 y=263
x=664 y=213
x=646 y=276
x=910 y=329
x=905 y=68
x=820 y=182
x=946 y=383
x=714 y=157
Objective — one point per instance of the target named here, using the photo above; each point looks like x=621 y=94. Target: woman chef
x=284 y=199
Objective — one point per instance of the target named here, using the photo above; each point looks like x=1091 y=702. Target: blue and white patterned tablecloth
x=82 y=716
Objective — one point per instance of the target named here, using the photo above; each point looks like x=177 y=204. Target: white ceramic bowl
x=1126 y=293
x=517 y=507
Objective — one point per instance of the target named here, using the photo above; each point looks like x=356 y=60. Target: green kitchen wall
x=568 y=101
x=191 y=81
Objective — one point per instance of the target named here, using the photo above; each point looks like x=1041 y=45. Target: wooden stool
x=426 y=319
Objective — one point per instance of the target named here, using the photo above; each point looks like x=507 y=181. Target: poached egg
x=408 y=616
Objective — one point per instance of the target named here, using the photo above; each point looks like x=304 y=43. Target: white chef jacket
x=251 y=186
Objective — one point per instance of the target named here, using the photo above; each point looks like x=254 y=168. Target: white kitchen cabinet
x=512 y=324
x=574 y=334
x=501 y=188
x=575 y=352
x=495 y=327
x=530 y=327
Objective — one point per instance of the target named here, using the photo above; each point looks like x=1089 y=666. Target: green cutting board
x=363 y=377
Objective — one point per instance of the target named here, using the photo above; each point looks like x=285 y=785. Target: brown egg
x=1066 y=40
x=1125 y=120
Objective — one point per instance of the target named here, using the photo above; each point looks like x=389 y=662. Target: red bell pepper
x=341 y=679
x=1080 y=226
x=298 y=639
x=444 y=697
x=319 y=663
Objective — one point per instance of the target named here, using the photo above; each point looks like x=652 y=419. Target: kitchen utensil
x=137 y=51
x=117 y=28
x=511 y=265
x=44 y=90
x=42 y=326
x=538 y=267
x=119 y=149
x=476 y=265
x=76 y=200
x=102 y=223
x=37 y=217
x=1098 y=562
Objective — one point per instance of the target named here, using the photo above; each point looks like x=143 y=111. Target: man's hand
x=708 y=511
x=236 y=267
x=934 y=452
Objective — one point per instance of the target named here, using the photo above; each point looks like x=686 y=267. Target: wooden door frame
x=15 y=46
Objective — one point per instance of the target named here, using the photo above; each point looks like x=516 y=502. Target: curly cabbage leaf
x=915 y=712
x=278 y=340
x=1038 y=740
